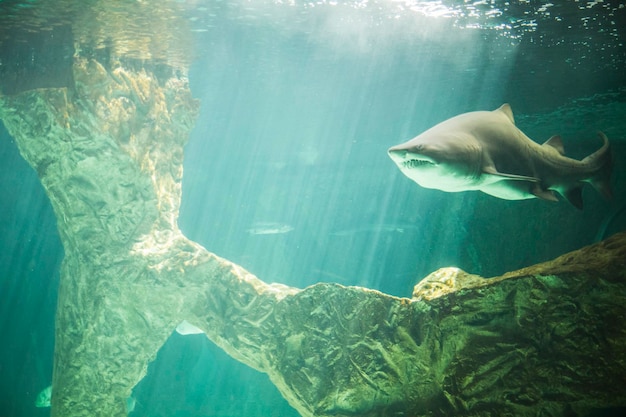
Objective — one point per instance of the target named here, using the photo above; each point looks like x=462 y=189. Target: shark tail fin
x=601 y=179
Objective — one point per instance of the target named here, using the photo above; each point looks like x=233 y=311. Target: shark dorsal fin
x=556 y=143
x=506 y=109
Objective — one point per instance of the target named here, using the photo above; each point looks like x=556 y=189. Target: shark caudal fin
x=601 y=180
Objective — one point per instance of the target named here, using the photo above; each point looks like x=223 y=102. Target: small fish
x=131 y=403
x=484 y=150
x=43 y=398
x=269 y=228
x=376 y=228
x=184 y=328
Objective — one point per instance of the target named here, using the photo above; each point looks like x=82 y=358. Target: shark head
x=441 y=161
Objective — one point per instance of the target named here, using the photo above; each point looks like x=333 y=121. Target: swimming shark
x=484 y=150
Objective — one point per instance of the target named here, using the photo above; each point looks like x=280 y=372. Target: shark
x=269 y=228
x=485 y=151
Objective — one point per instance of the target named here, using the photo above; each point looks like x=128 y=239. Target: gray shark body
x=485 y=151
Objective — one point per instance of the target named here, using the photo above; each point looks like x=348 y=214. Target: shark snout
x=396 y=154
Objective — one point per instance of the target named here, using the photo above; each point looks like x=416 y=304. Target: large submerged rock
x=547 y=340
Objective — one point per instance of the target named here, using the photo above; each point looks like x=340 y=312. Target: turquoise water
x=286 y=171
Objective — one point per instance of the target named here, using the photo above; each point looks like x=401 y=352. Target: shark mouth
x=415 y=163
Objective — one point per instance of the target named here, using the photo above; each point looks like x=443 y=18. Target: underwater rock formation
x=547 y=340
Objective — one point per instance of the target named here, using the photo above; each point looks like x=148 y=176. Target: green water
x=286 y=171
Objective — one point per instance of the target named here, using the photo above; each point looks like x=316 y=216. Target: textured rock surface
x=548 y=340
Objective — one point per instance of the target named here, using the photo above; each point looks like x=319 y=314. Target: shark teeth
x=414 y=163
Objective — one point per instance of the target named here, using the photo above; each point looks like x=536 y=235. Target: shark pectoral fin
x=491 y=171
x=514 y=187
